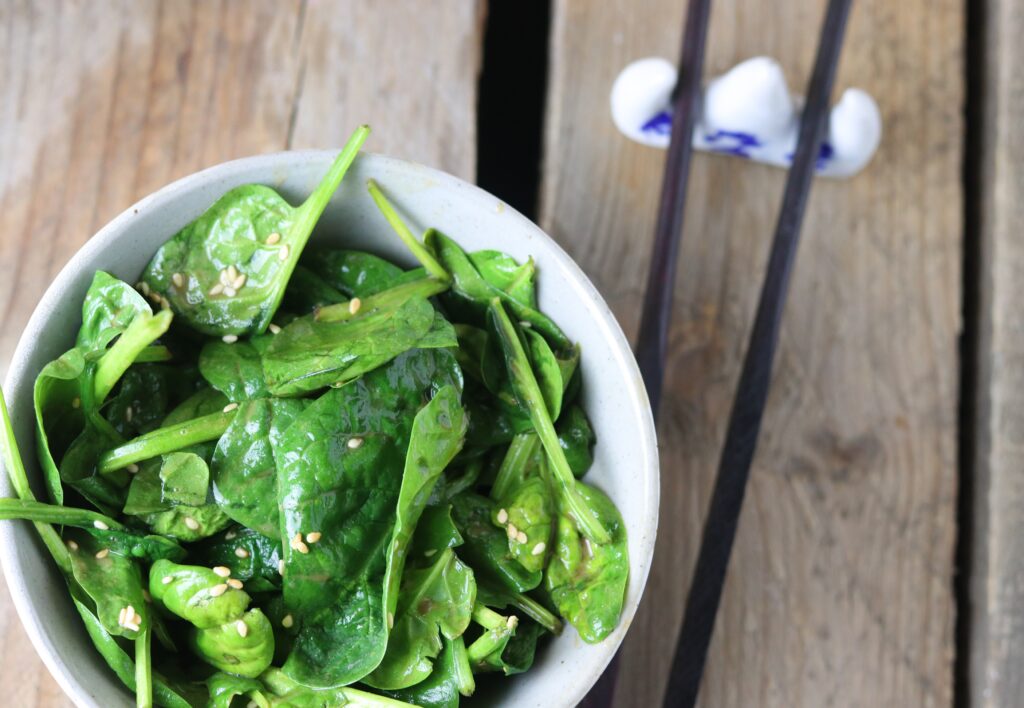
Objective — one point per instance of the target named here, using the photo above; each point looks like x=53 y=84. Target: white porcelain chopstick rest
x=748 y=112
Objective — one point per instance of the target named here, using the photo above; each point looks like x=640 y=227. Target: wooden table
x=888 y=461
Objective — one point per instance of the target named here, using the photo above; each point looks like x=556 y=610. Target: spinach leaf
x=434 y=600
x=526 y=515
x=119 y=661
x=504 y=273
x=516 y=655
x=438 y=431
x=450 y=677
x=59 y=415
x=188 y=523
x=587 y=581
x=472 y=293
x=244 y=647
x=284 y=692
x=309 y=354
x=134 y=544
x=224 y=688
x=184 y=478
x=243 y=466
x=354 y=273
x=80 y=471
x=307 y=291
x=140 y=401
x=577 y=439
x=196 y=594
x=384 y=301
x=528 y=393
x=251 y=557
x=109 y=307
x=226 y=272
x=233 y=369
x=486 y=547
x=203 y=402
x=112 y=581
x=339 y=476
x=435 y=532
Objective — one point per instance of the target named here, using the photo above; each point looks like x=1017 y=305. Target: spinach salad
x=281 y=476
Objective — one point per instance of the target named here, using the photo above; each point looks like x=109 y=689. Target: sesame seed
x=230 y=536
x=512 y=531
x=391 y=620
x=242 y=627
x=251 y=704
x=274 y=329
x=229 y=338
x=241 y=552
x=280 y=566
x=132 y=468
x=165 y=303
x=282 y=253
x=232 y=273
x=273 y=238
x=301 y=547
x=191 y=523
x=539 y=548
x=230 y=407
x=178 y=280
x=512 y=622
x=353 y=305
x=223 y=571
x=521 y=537
x=502 y=516
x=217 y=289
x=122 y=616
x=353 y=443
x=235 y=583
x=225 y=279
x=313 y=536
x=100 y=525
x=218 y=590
x=167 y=579
x=143 y=287
x=72 y=545
x=230 y=291
x=287 y=621
x=525 y=325
x=146 y=596
x=100 y=555
x=239 y=282
x=429 y=552
x=128 y=414
x=76 y=402
x=133 y=626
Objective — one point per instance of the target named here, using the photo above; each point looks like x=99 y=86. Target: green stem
x=498 y=627
x=164 y=440
x=122 y=354
x=154 y=353
x=520 y=450
x=370 y=700
x=143 y=670
x=30 y=510
x=392 y=298
x=412 y=243
x=306 y=216
x=19 y=480
x=467 y=479
x=463 y=670
x=537 y=612
x=528 y=392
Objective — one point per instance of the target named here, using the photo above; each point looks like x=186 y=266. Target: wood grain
x=104 y=102
x=840 y=592
x=997 y=561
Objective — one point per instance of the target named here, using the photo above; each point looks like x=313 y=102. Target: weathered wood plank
x=104 y=102
x=997 y=559
x=840 y=591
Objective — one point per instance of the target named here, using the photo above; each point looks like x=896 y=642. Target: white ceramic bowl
x=626 y=457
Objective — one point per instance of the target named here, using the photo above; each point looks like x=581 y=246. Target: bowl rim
x=108 y=235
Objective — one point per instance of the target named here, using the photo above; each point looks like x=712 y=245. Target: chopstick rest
x=747 y=112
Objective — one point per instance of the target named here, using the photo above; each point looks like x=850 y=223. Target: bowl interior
x=625 y=463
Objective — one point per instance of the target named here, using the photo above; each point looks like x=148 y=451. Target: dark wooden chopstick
x=652 y=340
x=752 y=391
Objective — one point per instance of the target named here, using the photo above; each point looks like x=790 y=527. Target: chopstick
x=652 y=339
x=752 y=391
